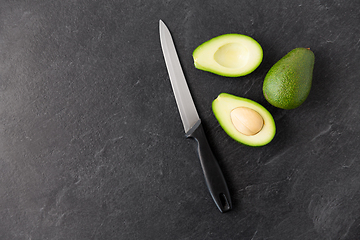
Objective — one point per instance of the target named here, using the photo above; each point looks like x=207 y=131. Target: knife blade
x=193 y=128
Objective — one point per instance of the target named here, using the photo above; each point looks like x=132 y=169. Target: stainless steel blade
x=185 y=103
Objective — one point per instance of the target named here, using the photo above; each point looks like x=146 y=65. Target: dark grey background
x=91 y=142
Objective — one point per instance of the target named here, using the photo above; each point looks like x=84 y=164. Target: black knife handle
x=214 y=177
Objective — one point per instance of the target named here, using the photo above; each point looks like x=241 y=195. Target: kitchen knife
x=214 y=178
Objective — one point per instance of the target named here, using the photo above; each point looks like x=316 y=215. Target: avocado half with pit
x=244 y=120
x=230 y=55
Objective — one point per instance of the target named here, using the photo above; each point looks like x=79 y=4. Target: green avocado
x=230 y=55
x=288 y=82
x=244 y=120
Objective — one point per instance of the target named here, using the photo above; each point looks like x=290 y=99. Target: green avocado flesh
x=230 y=55
x=288 y=82
x=223 y=107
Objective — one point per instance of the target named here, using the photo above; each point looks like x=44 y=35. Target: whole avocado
x=288 y=82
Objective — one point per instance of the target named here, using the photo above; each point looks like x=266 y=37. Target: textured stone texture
x=92 y=146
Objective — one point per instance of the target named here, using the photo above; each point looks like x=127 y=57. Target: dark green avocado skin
x=288 y=82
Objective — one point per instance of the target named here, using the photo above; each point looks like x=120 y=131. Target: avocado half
x=230 y=55
x=245 y=129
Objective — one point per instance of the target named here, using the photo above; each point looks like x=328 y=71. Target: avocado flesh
x=230 y=55
x=288 y=82
x=225 y=103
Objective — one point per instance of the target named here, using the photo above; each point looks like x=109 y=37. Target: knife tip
x=162 y=26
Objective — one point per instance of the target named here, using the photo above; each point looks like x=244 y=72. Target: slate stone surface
x=91 y=142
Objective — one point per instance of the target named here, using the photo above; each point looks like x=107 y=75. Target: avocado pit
x=246 y=120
